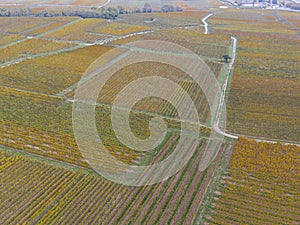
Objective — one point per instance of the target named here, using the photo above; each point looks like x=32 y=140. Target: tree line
x=295 y=6
x=106 y=13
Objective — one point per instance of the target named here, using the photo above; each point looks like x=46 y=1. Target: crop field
x=162 y=20
x=8 y=38
x=80 y=31
x=45 y=178
x=37 y=118
x=42 y=125
x=93 y=30
x=111 y=28
x=264 y=97
x=38 y=76
x=248 y=21
x=290 y=18
x=19 y=202
x=31 y=26
x=41 y=76
x=260 y=185
x=262 y=26
x=155 y=105
x=99 y=200
x=37 y=123
x=187 y=38
x=212 y=47
x=30 y=48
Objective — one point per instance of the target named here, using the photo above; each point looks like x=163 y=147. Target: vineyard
x=37 y=119
x=260 y=185
x=249 y=22
x=8 y=38
x=23 y=203
x=155 y=105
x=98 y=200
x=79 y=31
x=41 y=76
x=31 y=26
x=38 y=146
x=162 y=20
x=291 y=18
x=264 y=97
x=42 y=125
x=45 y=178
x=212 y=47
x=94 y=31
x=29 y=49
x=117 y=28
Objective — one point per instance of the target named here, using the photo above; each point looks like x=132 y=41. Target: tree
x=110 y=13
x=121 y=10
x=167 y=8
x=179 y=9
x=147 y=8
x=137 y=10
x=226 y=58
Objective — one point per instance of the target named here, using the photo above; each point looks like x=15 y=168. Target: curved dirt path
x=216 y=126
x=222 y=100
x=205 y=23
